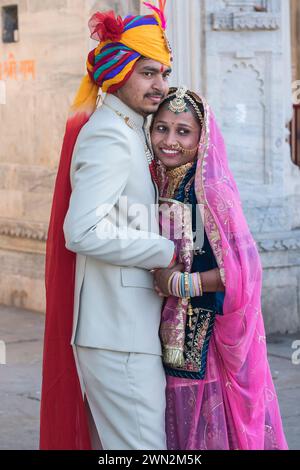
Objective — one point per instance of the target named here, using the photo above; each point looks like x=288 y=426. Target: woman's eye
x=183 y=131
x=148 y=74
x=160 y=128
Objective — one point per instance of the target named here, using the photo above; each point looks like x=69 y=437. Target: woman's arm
x=210 y=281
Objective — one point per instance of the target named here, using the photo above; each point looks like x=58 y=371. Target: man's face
x=146 y=87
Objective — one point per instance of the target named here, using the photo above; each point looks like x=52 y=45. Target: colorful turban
x=122 y=43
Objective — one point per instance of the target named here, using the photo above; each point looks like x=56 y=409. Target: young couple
x=153 y=340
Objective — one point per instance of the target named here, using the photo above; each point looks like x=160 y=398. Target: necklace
x=175 y=176
x=141 y=133
x=134 y=127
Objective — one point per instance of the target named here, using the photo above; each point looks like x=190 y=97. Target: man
x=116 y=312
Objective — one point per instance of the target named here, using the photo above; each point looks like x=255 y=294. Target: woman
x=220 y=393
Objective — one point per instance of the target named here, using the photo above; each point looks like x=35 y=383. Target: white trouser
x=126 y=396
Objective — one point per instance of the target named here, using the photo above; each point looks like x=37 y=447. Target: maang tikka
x=179 y=105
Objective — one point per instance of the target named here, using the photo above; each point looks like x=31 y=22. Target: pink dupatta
x=235 y=406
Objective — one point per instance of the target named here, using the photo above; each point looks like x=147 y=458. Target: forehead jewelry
x=179 y=105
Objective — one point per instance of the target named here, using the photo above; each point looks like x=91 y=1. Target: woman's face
x=172 y=130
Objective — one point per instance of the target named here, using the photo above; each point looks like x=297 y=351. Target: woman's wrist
x=185 y=285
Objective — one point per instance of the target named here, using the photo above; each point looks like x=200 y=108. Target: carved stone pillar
x=184 y=28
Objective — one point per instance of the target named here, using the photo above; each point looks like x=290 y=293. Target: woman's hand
x=161 y=278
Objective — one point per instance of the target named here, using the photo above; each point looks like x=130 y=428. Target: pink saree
x=235 y=406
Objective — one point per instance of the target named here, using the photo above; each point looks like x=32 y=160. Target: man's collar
x=118 y=105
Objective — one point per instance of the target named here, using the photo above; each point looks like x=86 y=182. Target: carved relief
x=30 y=230
x=246 y=16
x=245 y=21
x=279 y=245
x=243 y=113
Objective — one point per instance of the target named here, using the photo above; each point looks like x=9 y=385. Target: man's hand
x=161 y=278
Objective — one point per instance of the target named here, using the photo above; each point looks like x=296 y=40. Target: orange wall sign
x=13 y=69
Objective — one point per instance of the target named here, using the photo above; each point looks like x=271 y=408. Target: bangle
x=186 y=284
x=173 y=284
x=169 y=282
x=191 y=286
x=178 y=284
x=182 y=289
x=194 y=286
x=200 y=284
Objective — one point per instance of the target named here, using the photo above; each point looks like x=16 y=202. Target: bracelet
x=182 y=289
x=191 y=286
x=174 y=284
x=200 y=284
x=169 y=283
x=195 y=292
x=177 y=289
x=186 y=285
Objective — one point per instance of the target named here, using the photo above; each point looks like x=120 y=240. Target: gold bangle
x=186 y=284
x=194 y=285
x=200 y=284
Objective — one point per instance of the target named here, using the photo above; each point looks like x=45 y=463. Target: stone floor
x=20 y=380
